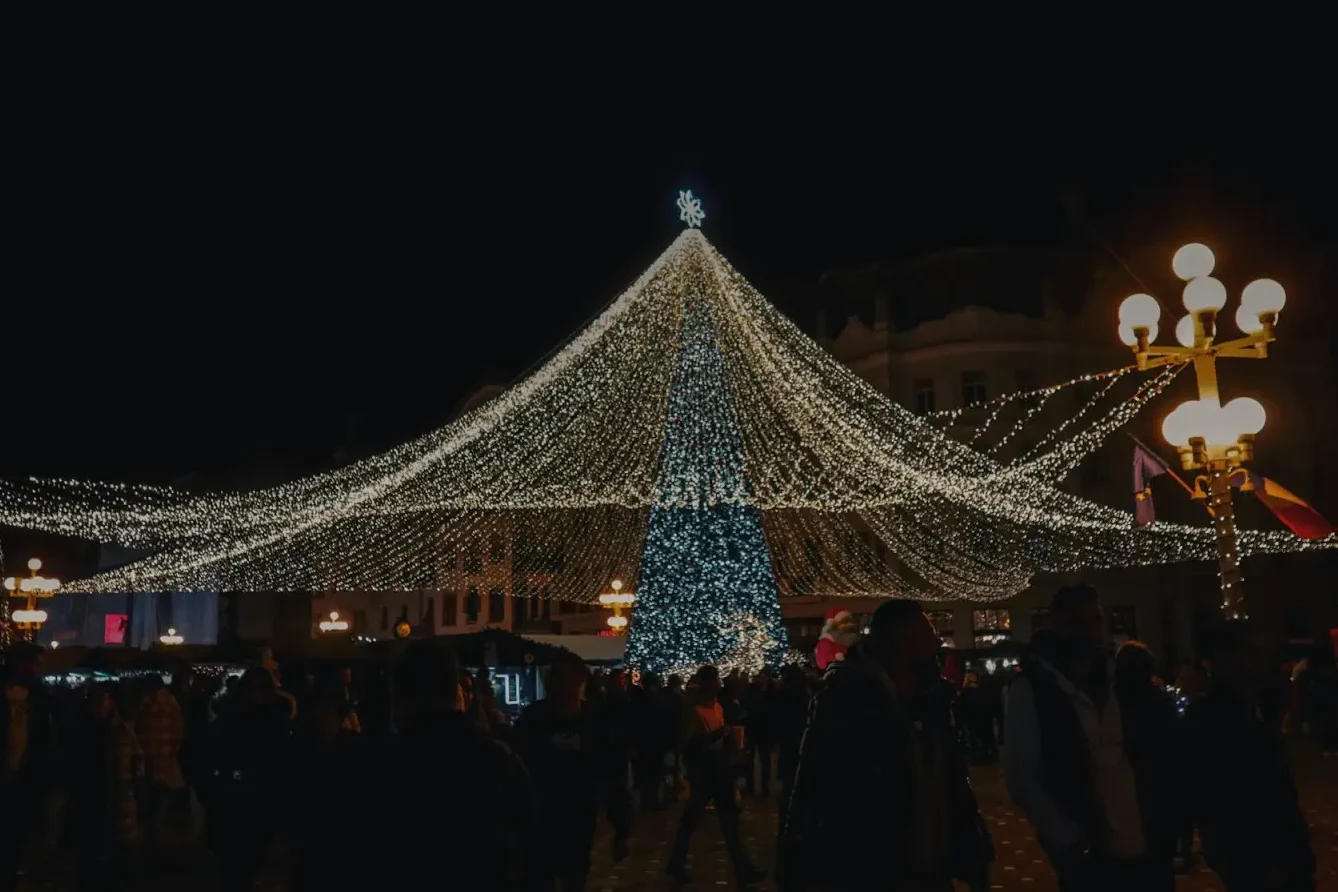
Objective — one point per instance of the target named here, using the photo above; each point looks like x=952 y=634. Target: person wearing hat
x=838 y=633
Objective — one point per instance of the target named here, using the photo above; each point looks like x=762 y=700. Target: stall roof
x=594 y=648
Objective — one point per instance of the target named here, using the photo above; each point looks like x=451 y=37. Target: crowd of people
x=361 y=781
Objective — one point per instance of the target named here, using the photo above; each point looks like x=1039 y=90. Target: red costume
x=838 y=633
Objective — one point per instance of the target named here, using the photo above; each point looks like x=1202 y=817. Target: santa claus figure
x=838 y=633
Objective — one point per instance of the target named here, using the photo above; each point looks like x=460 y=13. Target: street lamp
x=334 y=623
x=34 y=586
x=1210 y=437
x=617 y=600
x=171 y=638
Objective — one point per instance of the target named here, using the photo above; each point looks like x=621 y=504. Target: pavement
x=1020 y=863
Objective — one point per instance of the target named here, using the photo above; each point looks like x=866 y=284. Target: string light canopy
x=854 y=494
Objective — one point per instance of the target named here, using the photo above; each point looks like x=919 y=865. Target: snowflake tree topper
x=690 y=209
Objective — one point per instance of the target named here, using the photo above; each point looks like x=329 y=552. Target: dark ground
x=1020 y=865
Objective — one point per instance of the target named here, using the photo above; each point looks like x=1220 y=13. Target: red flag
x=1295 y=514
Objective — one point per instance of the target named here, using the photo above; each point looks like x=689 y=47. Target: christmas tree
x=707 y=593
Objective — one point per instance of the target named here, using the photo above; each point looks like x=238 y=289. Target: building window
x=472 y=605
x=991 y=626
x=1123 y=623
x=385 y=617
x=924 y=396
x=448 y=610
x=360 y=620
x=473 y=560
x=942 y=621
x=973 y=388
x=496 y=605
x=497 y=549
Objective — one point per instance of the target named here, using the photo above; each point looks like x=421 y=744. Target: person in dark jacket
x=25 y=746
x=791 y=713
x=709 y=745
x=1072 y=761
x=652 y=739
x=247 y=754
x=572 y=756
x=445 y=784
x=883 y=717
x=1244 y=797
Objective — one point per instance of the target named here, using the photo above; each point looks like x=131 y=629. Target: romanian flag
x=1289 y=508
x=1147 y=464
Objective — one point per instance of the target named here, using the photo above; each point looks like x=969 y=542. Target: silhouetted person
x=444 y=782
x=707 y=747
x=791 y=714
x=1254 y=834
x=759 y=701
x=327 y=785
x=1078 y=755
x=25 y=743
x=1154 y=741
x=651 y=731
x=567 y=745
x=246 y=757
x=882 y=723
x=101 y=814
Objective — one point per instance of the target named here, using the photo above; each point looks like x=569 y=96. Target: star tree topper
x=690 y=209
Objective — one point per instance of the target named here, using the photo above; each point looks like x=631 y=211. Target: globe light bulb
x=1193 y=261
x=1205 y=293
x=1176 y=426
x=1184 y=331
x=1247 y=320
x=1217 y=426
x=1140 y=311
x=1264 y=296
x=616 y=585
x=1127 y=335
x=1246 y=415
x=34 y=564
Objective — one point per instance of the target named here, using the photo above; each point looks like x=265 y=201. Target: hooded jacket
x=855 y=787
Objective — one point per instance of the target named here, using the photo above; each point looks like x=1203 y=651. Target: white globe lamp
x=1205 y=294
x=1193 y=261
x=1264 y=296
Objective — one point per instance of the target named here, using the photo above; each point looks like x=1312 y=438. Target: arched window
x=472 y=605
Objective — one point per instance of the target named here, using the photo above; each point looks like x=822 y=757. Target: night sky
x=231 y=294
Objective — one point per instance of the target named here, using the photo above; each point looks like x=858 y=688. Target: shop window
x=990 y=626
x=924 y=396
x=942 y=622
x=973 y=388
x=473 y=603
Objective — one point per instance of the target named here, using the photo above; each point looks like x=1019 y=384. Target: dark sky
x=205 y=292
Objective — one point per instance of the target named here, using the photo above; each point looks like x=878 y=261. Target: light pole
x=30 y=618
x=1212 y=438
x=171 y=639
x=617 y=600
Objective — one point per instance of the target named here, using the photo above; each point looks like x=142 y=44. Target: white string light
x=564 y=469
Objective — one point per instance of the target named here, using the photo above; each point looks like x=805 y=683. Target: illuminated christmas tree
x=707 y=593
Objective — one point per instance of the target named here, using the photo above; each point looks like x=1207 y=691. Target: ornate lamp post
x=171 y=639
x=617 y=600
x=1215 y=439
x=334 y=624
x=30 y=618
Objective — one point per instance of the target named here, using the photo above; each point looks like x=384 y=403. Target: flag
x=1295 y=514
x=1147 y=464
